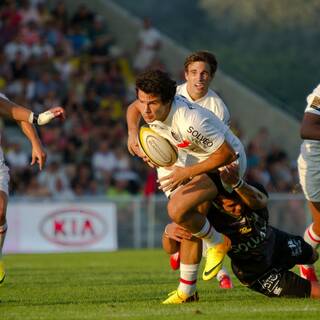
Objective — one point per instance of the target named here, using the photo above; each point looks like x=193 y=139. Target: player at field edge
x=25 y=118
x=261 y=255
x=205 y=143
x=199 y=70
x=309 y=173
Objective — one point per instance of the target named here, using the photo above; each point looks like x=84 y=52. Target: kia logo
x=73 y=227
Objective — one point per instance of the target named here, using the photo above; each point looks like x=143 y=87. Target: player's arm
x=13 y=111
x=38 y=154
x=219 y=158
x=172 y=236
x=250 y=195
x=133 y=121
x=310 y=126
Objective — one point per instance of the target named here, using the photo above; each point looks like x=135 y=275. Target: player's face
x=198 y=79
x=151 y=107
x=229 y=205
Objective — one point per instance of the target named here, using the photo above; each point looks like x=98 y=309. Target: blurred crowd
x=54 y=57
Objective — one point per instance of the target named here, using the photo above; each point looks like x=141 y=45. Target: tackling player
x=261 y=256
x=25 y=118
x=309 y=173
x=200 y=68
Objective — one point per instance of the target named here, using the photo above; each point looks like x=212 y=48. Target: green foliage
x=270 y=45
x=126 y=285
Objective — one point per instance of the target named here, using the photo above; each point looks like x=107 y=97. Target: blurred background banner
x=117 y=223
x=61 y=227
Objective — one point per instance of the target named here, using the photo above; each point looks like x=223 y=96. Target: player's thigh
x=282 y=283
x=165 y=171
x=187 y=197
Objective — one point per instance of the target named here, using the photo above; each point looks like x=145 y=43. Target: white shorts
x=182 y=162
x=4 y=178
x=309 y=176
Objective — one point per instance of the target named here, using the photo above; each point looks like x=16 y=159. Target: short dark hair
x=158 y=83
x=204 y=56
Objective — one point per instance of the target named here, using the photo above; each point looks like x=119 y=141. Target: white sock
x=206 y=234
x=311 y=238
x=223 y=272
x=188 y=278
x=3 y=232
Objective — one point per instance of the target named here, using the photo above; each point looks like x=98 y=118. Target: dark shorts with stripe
x=277 y=280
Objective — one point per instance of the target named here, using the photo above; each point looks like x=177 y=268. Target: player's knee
x=176 y=211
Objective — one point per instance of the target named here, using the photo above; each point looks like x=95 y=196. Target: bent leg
x=182 y=206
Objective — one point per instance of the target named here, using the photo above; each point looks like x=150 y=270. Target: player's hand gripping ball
x=157 y=149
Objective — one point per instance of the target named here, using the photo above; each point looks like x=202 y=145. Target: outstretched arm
x=250 y=195
x=19 y=113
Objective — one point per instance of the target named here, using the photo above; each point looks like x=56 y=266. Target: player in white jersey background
x=309 y=173
x=199 y=71
x=207 y=144
x=25 y=118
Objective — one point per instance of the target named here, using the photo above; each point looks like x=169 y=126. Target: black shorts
x=282 y=283
x=290 y=250
x=286 y=251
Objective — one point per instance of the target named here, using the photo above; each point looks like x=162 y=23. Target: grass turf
x=126 y=285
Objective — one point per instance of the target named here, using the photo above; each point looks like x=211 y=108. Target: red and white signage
x=61 y=227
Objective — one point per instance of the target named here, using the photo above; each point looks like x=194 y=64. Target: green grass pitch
x=126 y=285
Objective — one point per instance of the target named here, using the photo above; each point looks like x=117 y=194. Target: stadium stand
x=55 y=57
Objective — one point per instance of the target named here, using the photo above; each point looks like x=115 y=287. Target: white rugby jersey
x=1 y=152
x=210 y=101
x=310 y=149
x=194 y=130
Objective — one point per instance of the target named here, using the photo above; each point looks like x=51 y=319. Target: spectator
x=60 y=15
x=148 y=46
x=14 y=46
x=54 y=179
x=104 y=160
x=16 y=157
x=28 y=13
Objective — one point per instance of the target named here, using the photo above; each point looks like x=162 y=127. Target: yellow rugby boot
x=2 y=272
x=177 y=297
x=214 y=260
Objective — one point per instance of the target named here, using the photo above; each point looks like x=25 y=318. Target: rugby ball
x=158 y=149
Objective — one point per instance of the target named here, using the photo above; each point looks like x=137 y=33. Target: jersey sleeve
x=313 y=101
x=204 y=130
x=224 y=114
